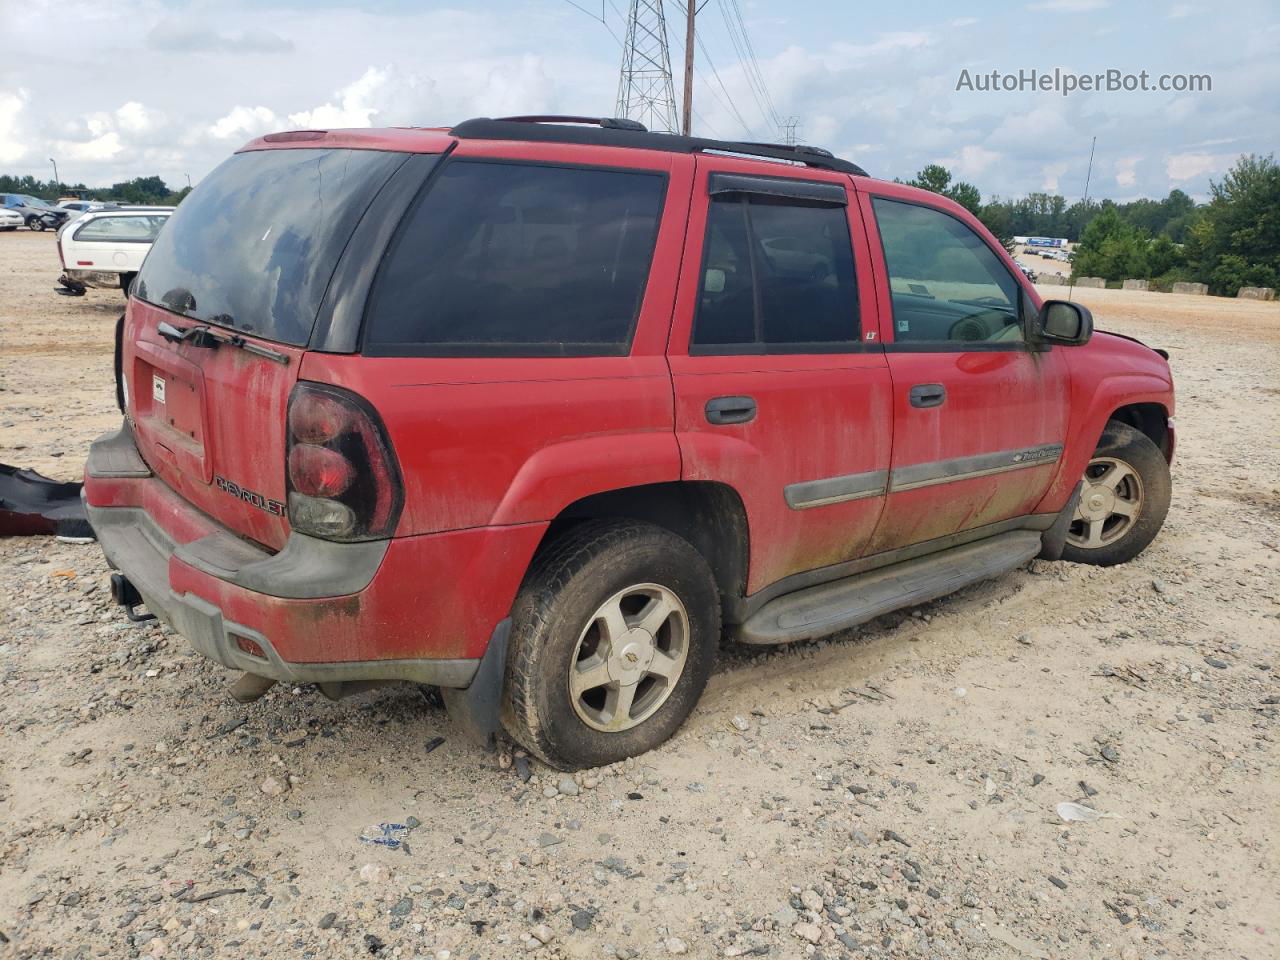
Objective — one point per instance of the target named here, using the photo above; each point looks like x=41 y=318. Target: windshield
x=254 y=245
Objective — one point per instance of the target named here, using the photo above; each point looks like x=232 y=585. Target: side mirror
x=1064 y=322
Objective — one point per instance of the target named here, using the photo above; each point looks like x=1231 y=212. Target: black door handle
x=731 y=410
x=928 y=395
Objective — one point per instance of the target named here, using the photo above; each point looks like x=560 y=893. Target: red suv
x=533 y=409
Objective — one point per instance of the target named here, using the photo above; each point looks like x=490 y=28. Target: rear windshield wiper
x=202 y=336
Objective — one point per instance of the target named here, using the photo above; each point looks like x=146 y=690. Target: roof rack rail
x=617 y=132
x=611 y=123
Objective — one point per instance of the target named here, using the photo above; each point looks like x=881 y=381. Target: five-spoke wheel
x=613 y=638
x=1110 y=503
x=1124 y=497
x=629 y=657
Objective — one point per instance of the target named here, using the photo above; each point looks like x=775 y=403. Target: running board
x=831 y=607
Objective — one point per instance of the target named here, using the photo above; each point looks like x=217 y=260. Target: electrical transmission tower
x=645 y=90
x=789 y=135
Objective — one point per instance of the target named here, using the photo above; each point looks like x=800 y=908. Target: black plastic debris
x=32 y=504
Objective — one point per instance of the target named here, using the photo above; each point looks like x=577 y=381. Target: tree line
x=1229 y=242
x=142 y=190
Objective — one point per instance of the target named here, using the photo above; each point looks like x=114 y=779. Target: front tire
x=1123 y=502
x=36 y=224
x=614 y=636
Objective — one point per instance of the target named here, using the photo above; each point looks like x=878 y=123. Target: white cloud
x=133 y=117
x=1126 y=171
x=959 y=22
x=972 y=161
x=1188 y=166
x=100 y=148
x=357 y=106
x=1050 y=175
x=883 y=45
x=1180 y=10
x=12 y=149
x=183 y=37
x=244 y=123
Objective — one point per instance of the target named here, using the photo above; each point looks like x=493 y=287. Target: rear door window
x=777 y=277
x=512 y=259
x=254 y=245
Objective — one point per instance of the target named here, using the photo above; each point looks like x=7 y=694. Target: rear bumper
x=103 y=279
x=415 y=608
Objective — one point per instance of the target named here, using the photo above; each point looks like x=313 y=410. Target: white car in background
x=10 y=219
x=105 y=248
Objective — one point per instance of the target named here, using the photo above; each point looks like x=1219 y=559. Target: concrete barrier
x=1256 y=293
x=1051 y=279
x=1095 y=282
x=1194 y=289
x=1136 y=285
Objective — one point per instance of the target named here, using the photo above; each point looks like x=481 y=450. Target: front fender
x=1091 y=408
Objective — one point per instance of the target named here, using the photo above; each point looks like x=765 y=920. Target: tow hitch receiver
x=126 y=594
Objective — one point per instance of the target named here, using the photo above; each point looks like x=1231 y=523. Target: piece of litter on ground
x=390 y=835
x=1079 y=812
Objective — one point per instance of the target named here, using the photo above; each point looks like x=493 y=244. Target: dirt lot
x=891 y=793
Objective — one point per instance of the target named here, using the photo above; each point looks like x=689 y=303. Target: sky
x=123 y=88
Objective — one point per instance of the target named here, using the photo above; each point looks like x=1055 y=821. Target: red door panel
x=810 y=466
x=989 y=449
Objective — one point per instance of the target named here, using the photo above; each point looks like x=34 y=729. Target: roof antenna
x=1085 y=203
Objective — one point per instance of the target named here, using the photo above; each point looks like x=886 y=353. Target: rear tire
x=1124 y=500
x=614 y=635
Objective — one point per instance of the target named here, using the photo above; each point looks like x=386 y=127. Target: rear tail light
x=344 y=482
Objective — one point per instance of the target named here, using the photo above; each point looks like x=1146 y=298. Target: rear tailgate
x=244 y=261
x=210 y=421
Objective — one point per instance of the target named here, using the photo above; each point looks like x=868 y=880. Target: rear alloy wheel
x=1123 y=501
x=629 y=658
x=613 y=638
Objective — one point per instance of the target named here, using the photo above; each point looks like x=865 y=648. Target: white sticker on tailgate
x=157 y=388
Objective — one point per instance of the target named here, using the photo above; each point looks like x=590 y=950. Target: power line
x=741 y=42
x=727 y=100
x=755 y=61
x=731 y=106
x=600 y=19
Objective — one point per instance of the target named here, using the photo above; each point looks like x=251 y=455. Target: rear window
x=121 y=229
x=254 y=245
x=507 y=259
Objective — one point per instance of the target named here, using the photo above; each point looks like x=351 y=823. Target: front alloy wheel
x=1123 y=499
x=1110 y=504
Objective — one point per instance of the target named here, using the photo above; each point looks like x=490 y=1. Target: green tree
x=1235 y=241
x=1111 y=248
x=937 y=179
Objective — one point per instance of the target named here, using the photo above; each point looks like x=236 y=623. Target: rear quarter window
x=511 y=259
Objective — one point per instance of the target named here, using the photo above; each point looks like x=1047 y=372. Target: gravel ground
x=890 y=793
